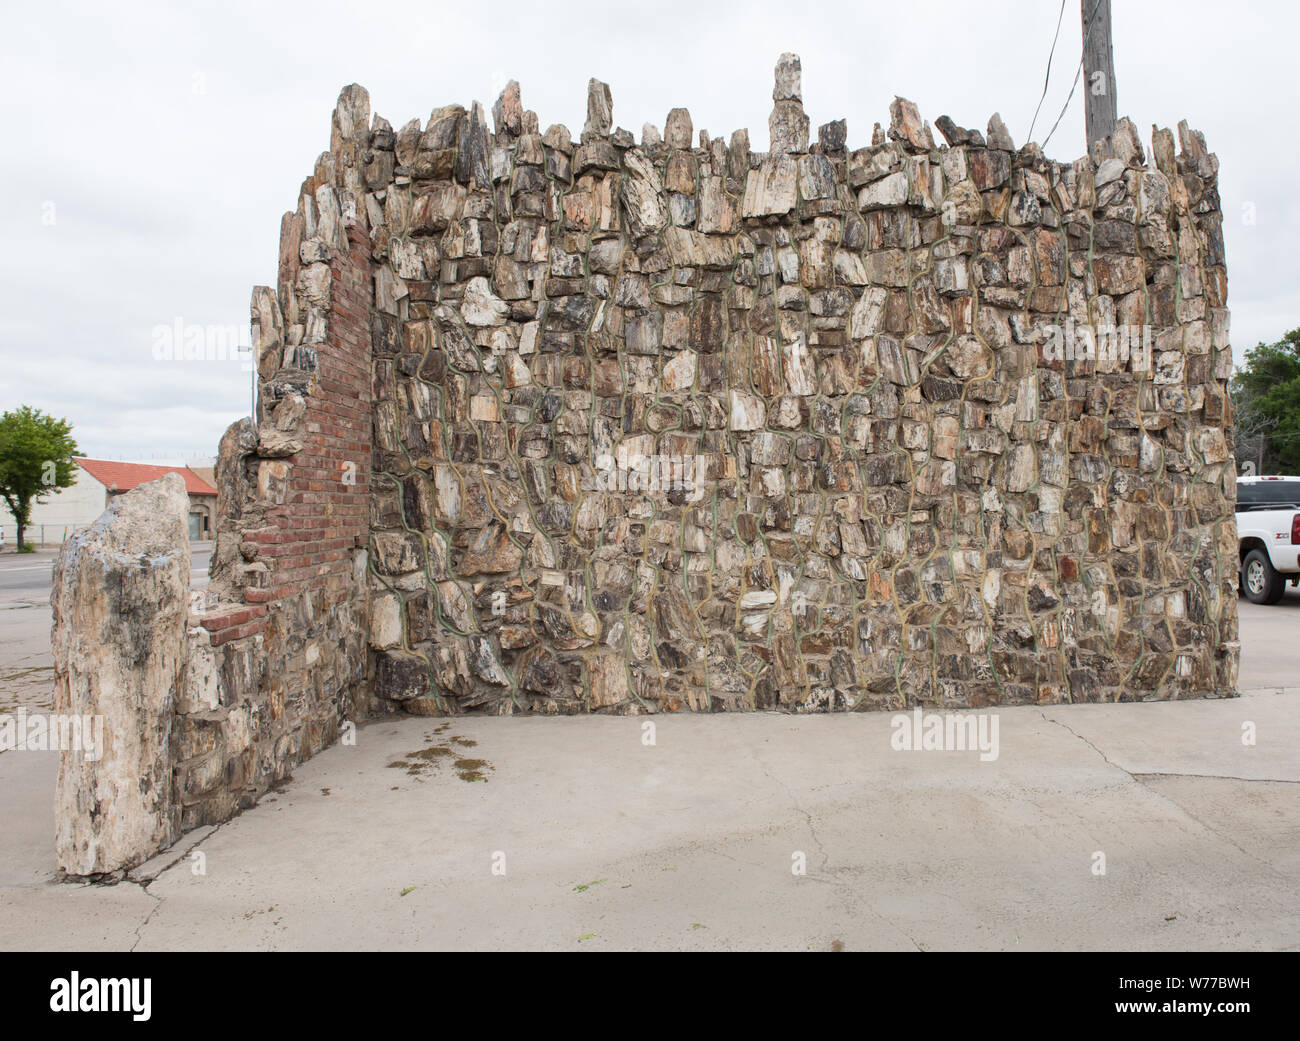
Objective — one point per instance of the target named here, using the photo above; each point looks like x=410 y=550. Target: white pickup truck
x=1268 y=536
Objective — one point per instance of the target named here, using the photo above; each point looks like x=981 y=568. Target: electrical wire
x=1048 y=78
x=1087 y=33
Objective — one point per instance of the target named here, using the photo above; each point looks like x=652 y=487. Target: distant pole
x=1098 y=71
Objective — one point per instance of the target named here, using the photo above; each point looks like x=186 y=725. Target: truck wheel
x=1260 y=581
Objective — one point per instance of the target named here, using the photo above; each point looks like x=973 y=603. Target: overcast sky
x=153 y=148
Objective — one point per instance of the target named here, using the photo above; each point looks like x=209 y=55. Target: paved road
x=1270 y=638
x=26 y=667
x=25 y=577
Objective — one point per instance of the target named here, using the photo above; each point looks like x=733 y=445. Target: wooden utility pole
x=1098 y=71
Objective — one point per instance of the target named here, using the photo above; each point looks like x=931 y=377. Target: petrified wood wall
x=677 y=425
x=557 y=426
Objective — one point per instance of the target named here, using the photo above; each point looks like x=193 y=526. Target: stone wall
x=681 y=425
x=563 y=426
x=279 y=647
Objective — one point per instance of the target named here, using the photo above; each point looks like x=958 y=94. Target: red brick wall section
x=325 y=514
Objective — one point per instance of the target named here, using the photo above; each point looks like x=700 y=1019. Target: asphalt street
x=26 y=666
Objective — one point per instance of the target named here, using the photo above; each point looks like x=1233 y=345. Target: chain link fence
x=38 y=535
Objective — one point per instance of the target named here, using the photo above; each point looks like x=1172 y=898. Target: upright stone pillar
x=120 y=597
x=788 y=124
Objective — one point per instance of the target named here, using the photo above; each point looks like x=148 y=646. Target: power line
x=1086 y=34
x=1272 y=437
x=1048 y=78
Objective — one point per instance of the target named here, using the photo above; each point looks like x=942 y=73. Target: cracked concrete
x=1151 y=779
x=689 y=843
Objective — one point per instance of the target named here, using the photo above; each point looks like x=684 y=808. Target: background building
x=97 y=481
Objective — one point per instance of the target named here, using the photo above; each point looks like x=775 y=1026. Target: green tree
x=36 y=453
x=1266 y=402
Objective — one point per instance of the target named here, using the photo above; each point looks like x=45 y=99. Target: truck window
x=1268 y=493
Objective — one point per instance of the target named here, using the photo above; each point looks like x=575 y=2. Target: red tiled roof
x=122 y=477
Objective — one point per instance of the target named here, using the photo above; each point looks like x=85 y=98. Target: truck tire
x=1260 y=581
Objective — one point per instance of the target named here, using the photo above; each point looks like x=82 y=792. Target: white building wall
x=61 y=514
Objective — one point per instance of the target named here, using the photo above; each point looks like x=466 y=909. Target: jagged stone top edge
x=906 y=129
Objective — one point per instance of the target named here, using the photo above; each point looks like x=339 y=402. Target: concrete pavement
x=1270 y=643
x=579 y=835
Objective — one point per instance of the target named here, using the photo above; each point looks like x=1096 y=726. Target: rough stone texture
x=788 y=124
x=277 y=651
x=899 y=494
x=119 y=596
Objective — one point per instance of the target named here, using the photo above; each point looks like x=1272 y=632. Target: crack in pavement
x=1137 y=779
x=826 y=876
x=139 y=929
x=1076 y=734
x=145 y=883
x=812 y=828
x=1218 y=777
